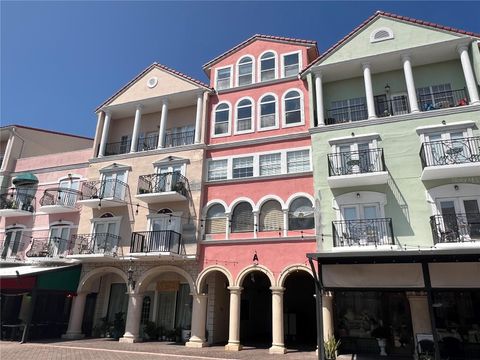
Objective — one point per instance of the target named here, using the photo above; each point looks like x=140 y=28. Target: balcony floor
x=373 y=178
x=14 y=212
x=451 y=171
x=106 y=202
x=167 y=196
x=57 y=209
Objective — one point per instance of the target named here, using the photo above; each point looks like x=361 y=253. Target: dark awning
x=25 y=179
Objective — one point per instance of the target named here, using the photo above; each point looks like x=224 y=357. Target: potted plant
x=381 y=333
x=150 y=331
x=331 y=346
x=186 y=334
x=118 y=328
x=161 y=333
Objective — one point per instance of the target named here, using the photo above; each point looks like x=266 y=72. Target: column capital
x=406 y=57
x=136 y=295
x=235 y=289
x=277 y=290
x=317 y=74
x=462 y=47
x=107 y=112
x=201 y=295
x=365 y=65
x=139 y=107
x=165 y=101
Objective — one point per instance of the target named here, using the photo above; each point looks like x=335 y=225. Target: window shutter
x=242 y=219
x=271 y=216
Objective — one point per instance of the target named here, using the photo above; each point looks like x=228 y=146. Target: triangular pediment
x=171 y=160
x=115 y=167
x=405 y=34
x=155 y=81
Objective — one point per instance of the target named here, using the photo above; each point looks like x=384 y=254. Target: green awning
x=25 y=179
x=65 y=279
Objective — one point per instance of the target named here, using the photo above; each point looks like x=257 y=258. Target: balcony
x=17 y=202
x=442 y=99
x=365 y=232
x=356 y=168
x=168 y=187
x=48 y=248
x=150 y=142
x=455 y=228
x=94 y=246
x=162 y=242
x=106 y=193
x=450 y=158
x=59 y=200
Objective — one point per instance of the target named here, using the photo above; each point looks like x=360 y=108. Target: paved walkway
x=106 y=349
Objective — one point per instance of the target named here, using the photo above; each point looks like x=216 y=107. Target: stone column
x=319 y=99
x=468 y=73
x=327 y=301
x=278 y=345
x=228 y=223
x=163 y=124
x=419 y=312
x=106 y=127
x=256 y=224
x=285 y=222
x=132 y=324
x=199 y=319
x=412 y=92
x=234 y=321
x=8 y=151
x=74 y=330
x=367 y=78
x=198 y=119
x=98 y=134
x=136 y=128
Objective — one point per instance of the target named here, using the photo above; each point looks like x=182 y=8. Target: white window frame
x=16 y=227
x=210 y=161
x=252 y=122
x=237 y=70
x=260 y=163
x=358 y=198
x=256 y=163
x=114 y=219
x=302 y=110
x=300 y=63
x=244 y=158
x=231 y=77
x=259 y=72
x=259 y=112
x=309 y=160
x=213 y=117
x=374 y=32
x=57 y=225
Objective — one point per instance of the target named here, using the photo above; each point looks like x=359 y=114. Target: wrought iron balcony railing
x=397 y=105
x=442 y=99
x=180 y=138
x=60 y=196
x=356 y=162
x=452 y=228
x=363 y=232
x=346 y=114
x=156 y=241
x=99 y=243
x=101 y=189
x=449 y=152
x=18 y=199
x=49 y=247
x=158 y=183
x=149 y=142
x=115 y=148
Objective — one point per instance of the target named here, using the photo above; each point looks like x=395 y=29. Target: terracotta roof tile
x=390 y=15
x=255 y=37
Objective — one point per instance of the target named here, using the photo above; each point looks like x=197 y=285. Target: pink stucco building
x=258 y=205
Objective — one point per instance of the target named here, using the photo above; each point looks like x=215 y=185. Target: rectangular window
x=349 y=110
x=223 y=78
x=217 y=170
x=298 y=161
x=270 y=164
x=291 y=66
x=243 y=167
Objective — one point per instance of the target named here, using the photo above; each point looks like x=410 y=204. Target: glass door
x=68 y=198
x=58 y=242
x=399 y=104
x=472 y=214
x=104 y=237
x=166 y=309
x=162 y=239
x=11 y=244
x=168 y=177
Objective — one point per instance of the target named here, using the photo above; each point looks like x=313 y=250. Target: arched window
x=268 y=112
x=244 y=115
x=164 y=211
x=267 y=66
x=106 y=215
x=222 y=117
x=245 y=71
x=242 y=218
x=292 y=108
x=271 y=216
x=215 y=222
x=381 y=34
x=300 y=214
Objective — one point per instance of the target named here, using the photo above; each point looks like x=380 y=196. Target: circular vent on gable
x=381 y=34
x=152 y=82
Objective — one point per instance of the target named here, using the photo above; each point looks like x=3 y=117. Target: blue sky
x=59 y=60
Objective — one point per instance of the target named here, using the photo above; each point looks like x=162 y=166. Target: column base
x=196 y=344
x=477 y=102
x=233 y=347
x=130 y=340
x=277 y=349
x=73 y=336
x=372 y=117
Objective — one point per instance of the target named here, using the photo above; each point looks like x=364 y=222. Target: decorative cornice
x=259 y=141
x=306 y=238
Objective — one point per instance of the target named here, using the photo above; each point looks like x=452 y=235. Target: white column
x=132 y=324
x=412 y=93
x=8 y=151
x=163 y=124
x=256 y=224
x=198 y=119
x=136 y=128
x=468 y=73
x=327 y=301
x=199 y=319
x=278 y=345
x=319 y=100
x=106 y=127
x=74 y=330
x=228 y=223
x=285 y=222
x=367 y=79
x=234 y=321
